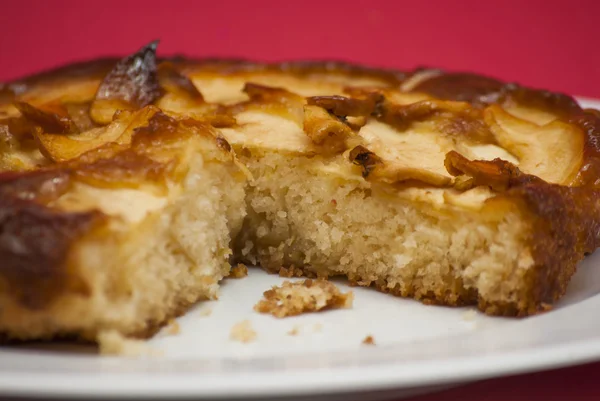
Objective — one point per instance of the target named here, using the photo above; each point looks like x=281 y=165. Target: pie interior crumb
x=291 y=271
x=295 y=298
x=294 y=331
x=239 y=271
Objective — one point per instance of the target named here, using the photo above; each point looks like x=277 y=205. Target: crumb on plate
x=303 y=297
x=206 y=312
x=243 y=332
x=469 y=315
x=369 y=340
x=294 y=331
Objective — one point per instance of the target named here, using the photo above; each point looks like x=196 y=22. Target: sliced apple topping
x=272 y=100
x=497 y=174
x=537 y=116
x=391 y=94
x=463 y=87
x=173 y=81
x=454 y=119
x=131 y=84
x=469 y=198
x=537 y=106
x=344 y=107
x=413 y=154
x=103 y=111
x=180 y=94
x=52 y=118
x=326 y=130
x=363 y=157
x=553 y=152
x=259 y=129
x=352 y=111
x=59 y=148
x=79 y=112
x=411 y=141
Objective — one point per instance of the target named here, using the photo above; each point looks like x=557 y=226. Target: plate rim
x=340 y=381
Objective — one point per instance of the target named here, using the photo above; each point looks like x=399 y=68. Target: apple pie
x=129 y=187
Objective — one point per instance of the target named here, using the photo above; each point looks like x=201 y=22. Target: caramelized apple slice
x=132 y=83
x=113 y=166
x=272 y=100
x=325 y=130
x=60 y=148
x=415 y=154
x=180 y=94
x=103 y=111
x=376 y=169
x=363 y=157
x=173 y=81
x=343 y=107
x=80 y=115
x=52 y=118
x=352 y=111
x=497 y=174
x=553 y=152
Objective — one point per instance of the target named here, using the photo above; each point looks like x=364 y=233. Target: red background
x=549 y=44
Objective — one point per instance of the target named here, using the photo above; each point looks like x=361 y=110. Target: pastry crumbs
x=369 y=340
x=239 y=271
x=303 y=297
x=243 y=332
x=291 y=271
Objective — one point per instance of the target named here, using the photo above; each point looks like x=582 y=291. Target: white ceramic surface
x=416 y=347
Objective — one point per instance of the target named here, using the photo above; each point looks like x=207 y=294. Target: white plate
x=417 y=347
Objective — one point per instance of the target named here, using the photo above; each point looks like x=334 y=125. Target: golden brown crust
x=462 y=87
x=98 y=68
x=565 y=219
x=566 y=222
x=589 y=122
x=36 y=241
x=151 y=328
